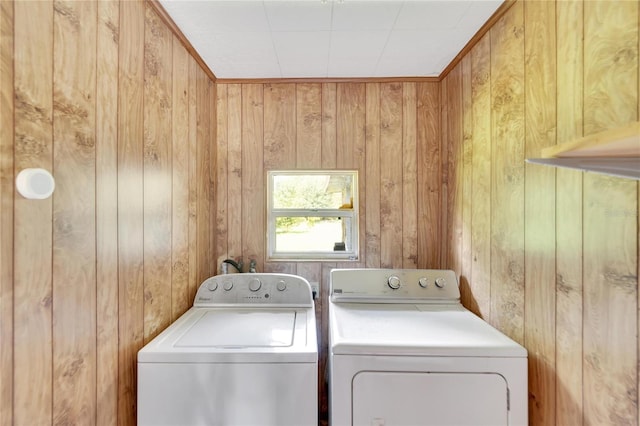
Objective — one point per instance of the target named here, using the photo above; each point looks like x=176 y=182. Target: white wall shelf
x=614 y=152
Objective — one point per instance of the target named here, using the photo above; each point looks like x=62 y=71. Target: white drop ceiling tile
x=303 y=69
x=300 y=46
x=244 y=47
x=255 y=70
x=427 y=64
x=218 y=16
x=364 y=15
x=411 y=43
x=416 y=15
x=352 y=68
x=360 y=44
x=405 y=68
x=298 y=15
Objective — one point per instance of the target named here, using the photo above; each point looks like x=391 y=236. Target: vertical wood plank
x=481 y=183
x=74 y=238
x=130 y=203
x=157 y=176
x=429 y=174
x=350 y=140
x=610 y=220
x=540 y=197
x=329 y=124
x=32 y=263
x=308 y=125
x=466 y=152
x=107 y=213
x=180 y=297
x=234 y=185
x=253 y=192
x=569 y=207
x=281 y=267
x=222 y=146
x=443 y=232
x=350 y=122
x=507 y=175
x=279 y=126
x=455 y=169
x=372 y=171
x=193 y=179
x=6 y=211
x=211 y=194
x=611 y=101
x=203 y=110
x=391 y=175
x=409 y=177
x=360 y=164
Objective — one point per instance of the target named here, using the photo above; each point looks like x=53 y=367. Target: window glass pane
x=312 y=215
x=312 y=191
x=313 y=234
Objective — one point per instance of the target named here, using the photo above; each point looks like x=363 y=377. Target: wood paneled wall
x=550 y=257
x=104 y=96
x=389 y=132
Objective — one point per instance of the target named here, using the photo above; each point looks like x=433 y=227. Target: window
x=312 y=215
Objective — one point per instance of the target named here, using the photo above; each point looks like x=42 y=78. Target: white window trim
x=272 y=214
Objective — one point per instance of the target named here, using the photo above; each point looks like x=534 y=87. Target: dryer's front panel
x=420 y=398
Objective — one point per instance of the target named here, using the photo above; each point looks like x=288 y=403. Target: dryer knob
x=393 y=282
x=212 y=285
x=281 y=286
x=255 y=284
x=423 y=282
x=228 y=285
x=440 y=282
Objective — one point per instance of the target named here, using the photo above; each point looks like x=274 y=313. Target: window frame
x=318 y=255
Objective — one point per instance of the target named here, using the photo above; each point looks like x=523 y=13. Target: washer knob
x=255 y=284
x=440 y=282
x=228 y=285
x=393 y=282
x=212 y=285
x=281 y=286
x=423 y=282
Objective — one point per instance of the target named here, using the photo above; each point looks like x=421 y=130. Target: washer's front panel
x=220 y=394
x=404 y=398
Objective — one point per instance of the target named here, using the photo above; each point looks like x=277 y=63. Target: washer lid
x=404 y=329
x=227 y=329
x=236 y=335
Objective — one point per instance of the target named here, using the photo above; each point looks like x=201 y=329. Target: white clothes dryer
x=244 y=354
x=404 y=351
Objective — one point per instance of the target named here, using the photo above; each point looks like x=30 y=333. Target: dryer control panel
x=269 y=289
x=394 y=286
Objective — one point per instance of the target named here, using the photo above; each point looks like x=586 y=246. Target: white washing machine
x=404 y=351
x=244 y=354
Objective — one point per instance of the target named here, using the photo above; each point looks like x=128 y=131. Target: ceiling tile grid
x=245 y=39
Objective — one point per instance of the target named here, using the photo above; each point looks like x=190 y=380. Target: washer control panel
x=394 y=285
x=255 y=289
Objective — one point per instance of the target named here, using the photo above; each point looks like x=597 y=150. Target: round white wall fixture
x=35 y=184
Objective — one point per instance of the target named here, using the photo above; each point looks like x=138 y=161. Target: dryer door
x=406 y=398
